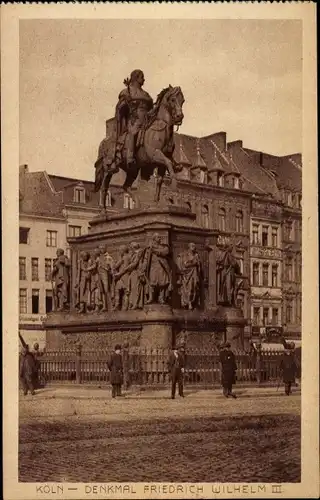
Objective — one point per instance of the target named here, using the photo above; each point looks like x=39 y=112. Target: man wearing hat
x=228 y=370
x=116 y=371
x=288 y=367
x=176 y=366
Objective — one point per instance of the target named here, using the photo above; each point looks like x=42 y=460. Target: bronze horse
x=154 y=152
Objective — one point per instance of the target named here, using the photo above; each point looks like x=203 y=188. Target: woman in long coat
x=27 y=371
x=115 y=366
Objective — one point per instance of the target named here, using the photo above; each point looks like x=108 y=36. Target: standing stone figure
x=228 y=270
x=83 y=283
x=157 y=271
x=105 y=266
x=95 y=289
x=191 y=278
x=131 y=110
x=61 y=278
x=121 y=280
x=136 y=278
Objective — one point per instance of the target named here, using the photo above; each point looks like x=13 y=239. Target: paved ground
x=81 y=434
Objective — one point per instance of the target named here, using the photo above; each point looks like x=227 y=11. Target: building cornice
x=45 y=217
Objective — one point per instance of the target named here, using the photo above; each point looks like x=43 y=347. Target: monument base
x=234 y=326
x=156 y=326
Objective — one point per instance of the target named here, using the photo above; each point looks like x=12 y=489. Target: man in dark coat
x=36 y=355
x=27 y=370
x=176 y=366
x=288 y=368
x=228 y=370
x=115 y=366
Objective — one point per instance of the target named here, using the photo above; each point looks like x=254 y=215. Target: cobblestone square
x=82 y=435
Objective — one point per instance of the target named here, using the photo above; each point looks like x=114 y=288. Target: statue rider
x=131 y=110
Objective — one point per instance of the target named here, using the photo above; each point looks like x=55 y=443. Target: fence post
x=78 y=363
x=258 y=364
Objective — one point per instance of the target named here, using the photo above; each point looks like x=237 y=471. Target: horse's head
x=173 y=100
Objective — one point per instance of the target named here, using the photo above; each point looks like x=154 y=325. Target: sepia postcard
x=160 y=250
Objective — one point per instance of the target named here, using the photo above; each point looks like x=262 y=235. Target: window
x=289 y=231
x=239 y=222
x=265 y=231
x=256 y=316
x=255 y=234
x=79 y=195
x=222 y=219
x=22 y=268
x=274 y=236
x=74 y=231
x=51 y=238
x=240 y=302
x=274 y=275
x=265 y=316
x=24 y=235
x=47 y=269
x=298 y=269
x=255 y=274
x=203 y=177
x=289 y=269
x=220 y=179
x=240 y=260
x=128 y=201
x=289 y=199
x=35 y=301
x=275 y=316
x=300 y=200
x=188 y=206
x=108 y=199
x=236 y=182
x=23 y=301
x=171 y=201
x=265 y=275
x=49 y=301
x=205 y=216
x=289 y=312
x=35 y=268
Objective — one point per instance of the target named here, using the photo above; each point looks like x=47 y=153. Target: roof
x=286 y=169
x=37 y=197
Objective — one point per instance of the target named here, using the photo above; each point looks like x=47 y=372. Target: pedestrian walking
x=27 y=370
x=228 y=370
x=176 y=365
x=115 y=366
x=288 y=367
x=36 y=355
x=126 y=366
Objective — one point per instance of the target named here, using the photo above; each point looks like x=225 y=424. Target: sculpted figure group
x=139 y=276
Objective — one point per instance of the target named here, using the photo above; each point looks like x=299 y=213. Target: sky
x=243 y=77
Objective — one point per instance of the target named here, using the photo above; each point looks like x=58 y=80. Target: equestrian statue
x=143 y=139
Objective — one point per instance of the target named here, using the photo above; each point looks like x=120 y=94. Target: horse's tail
x=99 y=174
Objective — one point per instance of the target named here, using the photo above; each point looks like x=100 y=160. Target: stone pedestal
x=156 y=325
x=157 y=329
x=234 y=326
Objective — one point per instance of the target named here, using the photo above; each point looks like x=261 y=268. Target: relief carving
x=60 y=278
x=121 y=280
x=157 y=272
x=83 y=283
x=228 y=274
x=191 y=272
